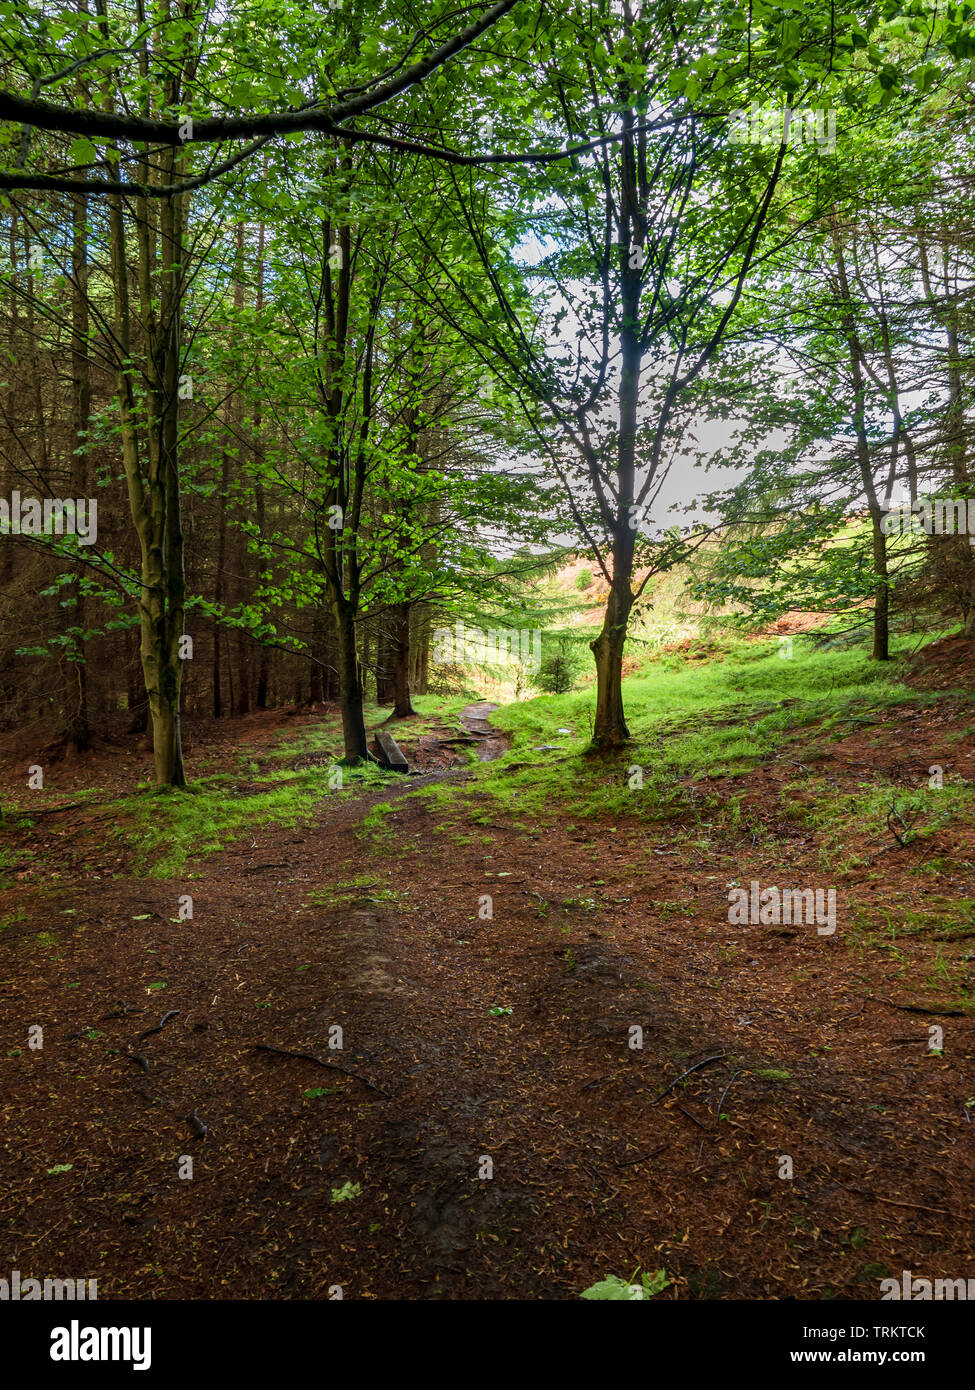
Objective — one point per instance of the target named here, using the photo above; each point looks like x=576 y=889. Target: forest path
x=476 y=718
x=507 y=1115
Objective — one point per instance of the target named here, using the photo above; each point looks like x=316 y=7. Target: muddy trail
x=436 y=1055
x=476 y=718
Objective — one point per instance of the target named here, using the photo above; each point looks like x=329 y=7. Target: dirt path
x=497 y=1128
x=493 y=743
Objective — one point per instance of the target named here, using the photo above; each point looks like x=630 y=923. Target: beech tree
x=649 y=240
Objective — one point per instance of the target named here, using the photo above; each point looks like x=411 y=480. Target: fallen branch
x=120 y=1012
x=908 y=835
x=718 y=1056
x=917 y=1008
x=700 y=1124
x=332 y=1066
x=641 y=1158
x=173 y=1013
x=911 y=1206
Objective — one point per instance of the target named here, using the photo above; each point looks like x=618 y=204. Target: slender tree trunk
x=316 y=683
x=219 y=587
x=955 y=441
x=263 y=671
x=402 y=706
x=243 y=703
x=881 y=606
x=881 y=603
x=351 y=693
x=77 y=732
x=420 y=657
x=135 y=690
x=150 y=451
x=609 y=728
x=163 y=594
x=386 y=661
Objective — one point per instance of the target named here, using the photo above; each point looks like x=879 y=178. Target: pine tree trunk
x=77 y=732
x=402 y=706
x=881 y=607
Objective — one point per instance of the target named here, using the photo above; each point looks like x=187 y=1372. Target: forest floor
x=488 y=939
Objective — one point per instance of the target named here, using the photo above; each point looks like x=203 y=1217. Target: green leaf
x=612 y=1289
x=82 y=151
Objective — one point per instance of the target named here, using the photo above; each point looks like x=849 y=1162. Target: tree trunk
x=386 y=661
x=609 y=730
x=402 y=706
x=149 y=431
x=243 y=704
x=135 y=689
x=77 y=732
x=420 y=657
x=260 y=699
x=350 y=685
x=167 y=747
x=263 y=671
x=881 y=607
x=316 y=683
x=218 y=591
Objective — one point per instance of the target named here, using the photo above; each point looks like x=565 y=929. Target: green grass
x=877 y=808
x=688 y=720
x=169 y=829
x=10 y=861
x=364 y=888
x=943 y=918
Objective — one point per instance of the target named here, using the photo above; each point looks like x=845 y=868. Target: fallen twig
x=119 y=1012
x=718 y=1056
x=173 y=1013
x=917 y=1008
x=641 y=1158
x=908 y=835
x=911 y=1206
x=332 y=1066
x=698 y=1122
x=717 y=1113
